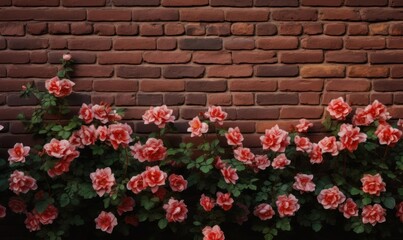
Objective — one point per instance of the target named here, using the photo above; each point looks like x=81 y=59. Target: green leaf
x=86 y=191
x=359 y=229
x=355 y=191
x=162 y=223
x=206 y=169
x=366 y=200
x=64 y=200
x=57 y=128
x=389 y=202
x=41 y=206
x=316 y=226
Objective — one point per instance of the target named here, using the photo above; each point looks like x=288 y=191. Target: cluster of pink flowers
x=62 y=150
x=152 y=177
x=224 y=200
x=59 y=87
x=34 y=220
x=160 y=116
x=153 y=150
x=372 y=112
x=101 y=112
x=275 y=139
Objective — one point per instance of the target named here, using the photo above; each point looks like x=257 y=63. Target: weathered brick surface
x=266 y=61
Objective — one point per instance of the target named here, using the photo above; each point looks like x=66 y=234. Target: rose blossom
x=373 y=184
x=373 y=214
x=330 y=198
x=101 y=112
x=61 y=166
x=17 y=205
x=59 y=88
x=88 y=135
x=207 y=203
x=106 y=221
x=21 y=183
x=48 y=216
x=213 y=233
x=102 y=133
x=126 y=205
x=224 y=200
x=388 y=135
x=260 y=162
x=399 y=124
x=303 y=183
x=399 y=211
x=66 y=57
x=275 y=139
x=230 y=175
x=329 y=144
x=75 y=140
x=216 y=114
x=18 y=153
x=3 y=211
x=1 y=127
x=349 y=208
x=56 y=148
x=244 y=155
x=264 y=211
x=136 y=184
x=316 y=154
x=153 y=150
x=362 y=118
x=350 y=137
x=303 y=125
x=287 y=205
x=32 y=222
x=303 y=144
x=338 y=108
x=102 y=181
x=197 y=128
x=280 y=162
x=153 y=177
x=160 y=116
x=219 y=163
x=86 y=113
x=176 y=211
x=377 y=111
x=119 y=134
x=177 y=183
x=234 y=137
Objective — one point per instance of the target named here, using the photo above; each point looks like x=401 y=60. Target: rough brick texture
x=266 y=61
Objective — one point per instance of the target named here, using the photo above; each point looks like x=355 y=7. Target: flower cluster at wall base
x=95 y=173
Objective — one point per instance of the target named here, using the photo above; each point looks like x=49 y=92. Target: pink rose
x=373 y=214
x=61 y=166
x=75 y=140
x=126 y=205
x=3 y=211
x=102 y=133
x=350 y=137
x=330 y=198
x=349 y=208
x=177 y=183
x=17 y=205
x=338 y=108
x=160 y=116
x=388 y=135
x=280 y=162
x=106 y=221
x=303 y=183
x=86 y=113
x=244 y=155
x=102 y=181
x=378 y=111
x=329 y=144
x=303 y=144
x=230 y=175
x=153 y=177
x=18 y=153
x=224 y=200
x=88 y=135
x=216 y=114
x=303 y=125
x=362 y=118
x=176 y=211
x=21 y=183
x=260 y=162
x=373 y=184
x=275 y=139
x=119 y=134
x=153 y=150
x=287 y=205
x=197 y=128
x=56 y=148
x=399 y=211
x=218 y=163
x=48 y=216
x=32 y=222
x=136 y=184
x=234 y=137
x=207 y=203
x=1 y=127
x=264 y=211
x=66 y=57
x=101 y=112
x=59 y=88
x=213 y=233
x=316 y=154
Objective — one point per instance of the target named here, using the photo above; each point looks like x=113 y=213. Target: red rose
x=176 y=211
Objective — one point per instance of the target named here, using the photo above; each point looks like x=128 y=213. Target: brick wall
x=265 y=61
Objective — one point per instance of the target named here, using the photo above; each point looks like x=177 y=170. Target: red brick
x=302 y=56
x=5 y=3
x=396 y=3
x=369 y=3
x=220 y=99
x=196 y=99
x=104 y=97
x=57 y=43
x=174 y=29
x=124 y=3
x=174 y=99
x=31 y=71
x=119 y=58
x=367 y=71
x=109 y=85
x=93 y=44
x=125 y=99
x=358 y=29
x=335 y=29
x=239 y=43
x=319 y=3
x=202 y=15
x=81 y=28
x=329 y=96
x=200 y=44
x=218 y=29
x=295 y=15
x=167 y=57
x=162 y=85
x=379 y=29
x=301 y=112
x=290 y=29
x=12 y=29
x=361 y=99
x=42 y=14
x=149 y=99
x=322 y=42
x=134 y=43
x=246 y=15
x=386 y=57
x=322 y=71
x=313 y=28
x=309 y=98
x=184 y=3
x=387 y=85
x=17 y=100
x=277 y=71
x=254 y=57
x=11 y=113
x=397 y=99
x=59 y=28
x=37 y=28
x=78 y=57
x=394 y=42
x=38 y=57
x=253 y=85
x=206 y=86
x=258 y=113
x=396 y=72
x=385 y=98
x=346 y=57
x=166 y=43
x=92 y=71
x=178 y=71
x=13 y=85
x=153 y=15
x=300 y=85
x=396 y=29
x=348 y=85
x=340 y=14
x=242 y=29
x=27 y=43
x=277 y=99
x=138 y=72
x=83 y=84
x=277 y=43
x=14 y=57
x=266 y=29
x=212 y=57
x=80 y=3
x=276 y=3
x=151 y=30
x=127 y=29
x=365 y=43
x=381 y=14
x=36 y=3
x=109 y=15
x=243 y=99
x=230 y=71
x=196 y=29
x=104 y=29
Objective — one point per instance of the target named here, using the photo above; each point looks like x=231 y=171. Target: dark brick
x=387 y=85
x=200 y=44
x=277 y=98
x=196 y=99
x=206 y=86
x=183 y=71
x=149 y=99
x=257 y=113
x=138 y=72
x=277 y=71
x=276 y=3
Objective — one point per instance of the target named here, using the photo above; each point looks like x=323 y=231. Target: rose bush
x=93 y=170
